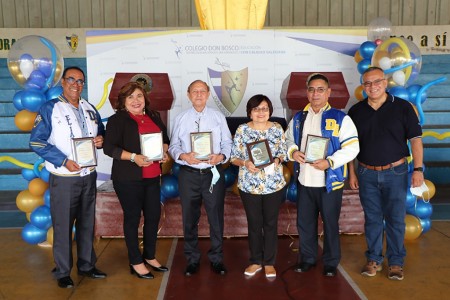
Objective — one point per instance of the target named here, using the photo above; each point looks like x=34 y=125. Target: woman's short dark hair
x=126 y=91
x=255 y=101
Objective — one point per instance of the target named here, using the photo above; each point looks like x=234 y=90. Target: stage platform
x=109 y=217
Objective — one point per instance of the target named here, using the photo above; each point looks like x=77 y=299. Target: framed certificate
x=259 y=153
x=84 y=152
x=316 y=148
x=152 y=146
x=201 y=143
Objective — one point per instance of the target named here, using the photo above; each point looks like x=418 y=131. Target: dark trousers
x=262 y=219
x=311 y=201
x=194 y=187
x=137 y=197
x=73 y=198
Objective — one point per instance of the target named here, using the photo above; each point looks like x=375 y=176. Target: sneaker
x=252 y=269
x=270 y=271
x=395 y=272
x=371 y=269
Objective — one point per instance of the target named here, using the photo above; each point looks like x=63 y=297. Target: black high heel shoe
x=149 y=275
x=157 y=269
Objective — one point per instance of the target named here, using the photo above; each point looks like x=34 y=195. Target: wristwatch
x=419 y=169
x=133 y=155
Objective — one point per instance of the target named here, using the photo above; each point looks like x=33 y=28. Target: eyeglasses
x=201 y=92
x=319 y=90
x=260 y=109
x=72 y=80
x=374 y=83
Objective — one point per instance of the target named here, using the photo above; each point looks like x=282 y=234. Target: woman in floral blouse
x=261 y=187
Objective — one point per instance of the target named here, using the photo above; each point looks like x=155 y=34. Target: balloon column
x=401 y=61
x=36 y=64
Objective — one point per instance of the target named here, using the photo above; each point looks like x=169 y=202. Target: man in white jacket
x=72 y=187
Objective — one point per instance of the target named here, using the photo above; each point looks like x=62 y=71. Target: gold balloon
x=391 y=83
x=359 y=93
x=27 y=202
x=50 y=236
x=37 y=187
x=286 y=174
x=415 y=109
x=226 y=165
x=413 y=227
x=358 y=56
x=431 y=190
x=14 y=69
x=399 y=58
x=167 y=166
x=28 y=215
x=290 y=166
x=24 y=120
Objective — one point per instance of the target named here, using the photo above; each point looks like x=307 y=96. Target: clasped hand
x=320 y=164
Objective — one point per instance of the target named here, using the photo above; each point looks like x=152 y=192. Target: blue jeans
x=383 y=196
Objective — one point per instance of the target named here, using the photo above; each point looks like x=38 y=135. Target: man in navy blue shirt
x=385 y=124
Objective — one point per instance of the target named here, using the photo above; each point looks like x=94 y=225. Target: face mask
x=418 y=191
x=215 y=178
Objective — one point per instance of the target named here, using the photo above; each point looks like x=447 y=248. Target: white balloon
x=399 y=78
x=385 y=63
x=26 y=67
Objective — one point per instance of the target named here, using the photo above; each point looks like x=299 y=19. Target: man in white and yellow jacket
x=320 y=180
x=72 y=187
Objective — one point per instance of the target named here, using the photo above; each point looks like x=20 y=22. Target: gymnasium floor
x=25 y=272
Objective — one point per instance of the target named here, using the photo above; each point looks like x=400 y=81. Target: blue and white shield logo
x=228 y=88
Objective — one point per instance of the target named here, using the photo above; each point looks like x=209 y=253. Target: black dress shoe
x=65 y=282
x=303 y=267
x=329 y=271
x=191 y=269
x=157 y=269
x=149 y=275
x=219 y=268
x=93 y=273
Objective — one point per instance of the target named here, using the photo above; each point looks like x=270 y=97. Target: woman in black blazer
x=136 y=179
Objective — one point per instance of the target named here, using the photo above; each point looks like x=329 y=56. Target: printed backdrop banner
x=235 y=64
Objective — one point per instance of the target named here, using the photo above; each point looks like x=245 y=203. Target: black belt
x=195 y=170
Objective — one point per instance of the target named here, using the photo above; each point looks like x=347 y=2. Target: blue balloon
x=26 y=56
x=400 y=92
x=410 y=199
x=169 y=186
x=229 y=176
x=33 y=235
x=363 y=65
x=175 y=169
x=47 y=198
x=28 y=174
x=424 y=210
x=53 y=92
x=17 y=101
x=38 y=78
x=426 y=225
x=291 y=192
x=412 y=90
x=45 y=174
x=366 y=49
x=45 y=66
x=41 y=217
x=411 y=210
x=32 y=99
